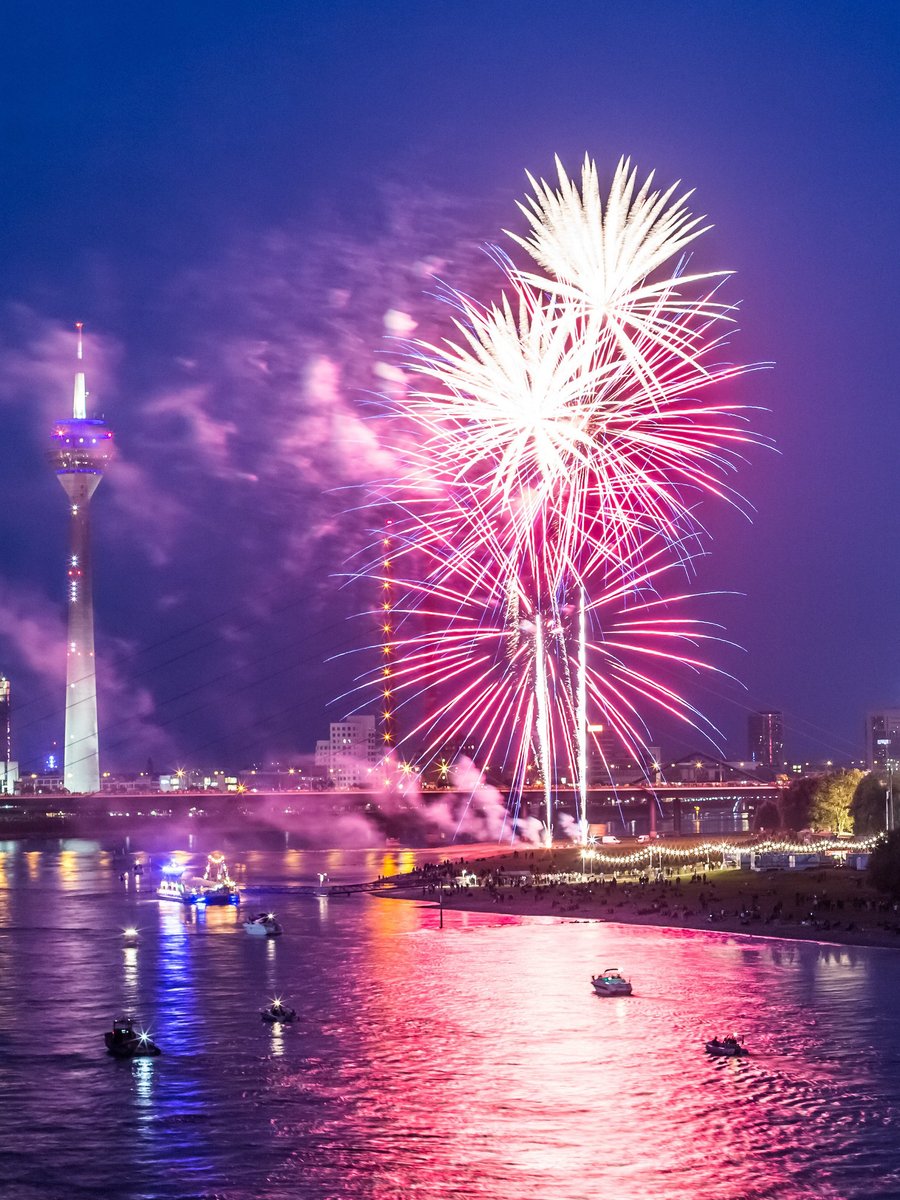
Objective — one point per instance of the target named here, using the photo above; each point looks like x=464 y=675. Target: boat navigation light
x=130 y=931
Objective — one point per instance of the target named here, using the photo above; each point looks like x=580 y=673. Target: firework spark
x=609 y=260
x=531 y=422
x=562 y=440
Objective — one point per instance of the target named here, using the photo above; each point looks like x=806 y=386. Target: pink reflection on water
x=499 y=1097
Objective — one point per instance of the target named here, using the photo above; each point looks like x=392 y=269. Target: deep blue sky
x=198 y=182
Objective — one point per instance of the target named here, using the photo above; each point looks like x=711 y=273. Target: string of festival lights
x=703 y=850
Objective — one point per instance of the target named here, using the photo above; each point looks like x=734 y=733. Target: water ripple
x=473 y=1061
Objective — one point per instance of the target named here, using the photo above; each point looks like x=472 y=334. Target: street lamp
x=889 y=797
x=889 y=767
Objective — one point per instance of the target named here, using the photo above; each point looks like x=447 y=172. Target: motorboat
x=263 y=925
x=611 y=983
x=278 y=1013
x=728 y=1047
x=122 y=1041
x=215 y=886
x=130 y=936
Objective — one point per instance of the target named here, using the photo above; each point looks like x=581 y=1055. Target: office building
x=350 y=754
x=5 y=720
x=765 y=738
x=883 y=740
x=9 y=771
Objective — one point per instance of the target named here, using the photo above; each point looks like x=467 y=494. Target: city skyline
x=491 y=580
x=239 y=330
x=364 y=766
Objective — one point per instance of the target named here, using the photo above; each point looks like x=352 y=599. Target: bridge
x=397 y=815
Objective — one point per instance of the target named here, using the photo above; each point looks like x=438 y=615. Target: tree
x=796 y=802
x=832 y=798
x=884 y=865
x=867 y=807
x=768 y=816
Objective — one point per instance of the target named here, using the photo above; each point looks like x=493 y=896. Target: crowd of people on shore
x=691 y=895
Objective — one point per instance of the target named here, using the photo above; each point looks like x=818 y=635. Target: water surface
x=468 y=1061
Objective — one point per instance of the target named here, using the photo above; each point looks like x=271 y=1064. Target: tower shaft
x=82 y=743
x=81 y=448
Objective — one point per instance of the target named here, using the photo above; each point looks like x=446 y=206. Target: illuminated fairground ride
x=554 y=454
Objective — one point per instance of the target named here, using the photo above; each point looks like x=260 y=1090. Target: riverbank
x=826 y=905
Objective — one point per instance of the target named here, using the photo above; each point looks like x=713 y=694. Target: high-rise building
x=9 y=771
x=5 y=721
x=351 y=752
x=765 y=737
x=610 y=759
x=883 y=740
x=81 y=449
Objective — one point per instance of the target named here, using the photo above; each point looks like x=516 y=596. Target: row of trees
x=840 y=802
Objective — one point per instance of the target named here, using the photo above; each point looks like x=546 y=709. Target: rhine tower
x=82 y=447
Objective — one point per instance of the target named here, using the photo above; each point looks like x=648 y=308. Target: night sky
x=233 y=196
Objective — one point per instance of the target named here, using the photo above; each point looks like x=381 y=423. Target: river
x=468 y=1061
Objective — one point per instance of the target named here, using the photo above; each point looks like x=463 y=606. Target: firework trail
x=581 y=721
x=517 y=682
x=562 y=439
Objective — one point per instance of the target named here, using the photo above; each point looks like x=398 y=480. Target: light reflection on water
x=277 y=1031
x=472 y=1061
x=130 y=991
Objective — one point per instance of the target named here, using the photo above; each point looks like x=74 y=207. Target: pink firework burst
x=561 y=440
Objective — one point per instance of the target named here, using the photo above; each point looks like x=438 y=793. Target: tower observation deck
x=80 y=450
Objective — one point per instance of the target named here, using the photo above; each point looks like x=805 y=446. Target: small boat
x=123 y=1042
x=278 y=1013
x=729 y=1047
x=130 y=936
x=611 y=983
x=263 y=925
